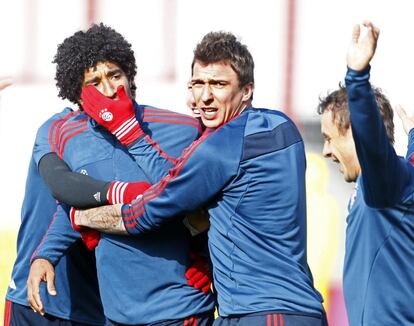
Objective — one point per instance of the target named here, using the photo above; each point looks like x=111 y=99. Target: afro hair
x=85 y=49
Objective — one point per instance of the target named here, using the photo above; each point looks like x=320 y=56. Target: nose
x=206 y=94
x=326 y=151
x=108 y=89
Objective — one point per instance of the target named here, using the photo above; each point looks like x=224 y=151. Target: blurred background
x=299 y=48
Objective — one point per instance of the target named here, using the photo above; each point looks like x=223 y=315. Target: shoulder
x=268 y=131
x=72 y=124
x=168 y=119
x=262 y=120
x=65 y=114
x=51 y=125
x=171 y=130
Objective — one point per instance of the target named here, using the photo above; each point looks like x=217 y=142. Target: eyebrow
x=210 y=81
x=110 y=73
x=114 y=71
x=91 y=80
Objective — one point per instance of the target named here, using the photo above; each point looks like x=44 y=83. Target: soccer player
x=357 y=124
x=248 y=169
x=101 y=58
x=78 y=302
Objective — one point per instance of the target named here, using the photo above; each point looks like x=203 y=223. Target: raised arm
x=384 y=175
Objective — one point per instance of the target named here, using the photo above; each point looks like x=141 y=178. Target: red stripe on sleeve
x=136 y=209
x=44 y=236
x=159 y=150
x=62 y=146
x=54 y=129
x=412 y=159
x=177 y=122
x=64 y=133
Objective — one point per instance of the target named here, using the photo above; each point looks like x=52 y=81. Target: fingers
x=373 y=31
x=33 y=294
x=356 y=32
x=372 y=28
x=50 y=281
x=202 y=282
x=93 y=99
x=87 y=102
x=401 y=112
x=408 y=122
x=40 y=270
x=190 y=273
x=206 y=288
x=122 y=95
x=197 y=278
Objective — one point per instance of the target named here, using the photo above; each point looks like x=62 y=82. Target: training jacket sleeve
x=386 y=178
x=153 y=160
x=166 y=134
x=74 y=189
x=201 y=173
x=58 y=237
x=66 y=186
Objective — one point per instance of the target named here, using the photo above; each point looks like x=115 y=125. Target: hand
x=89 y=236
x=408 y=122
x=5 y=82
x=117 y=116
x=361 y=51
x=107 y=219
x=198 y=275
x=125 y=192
x=41 y=270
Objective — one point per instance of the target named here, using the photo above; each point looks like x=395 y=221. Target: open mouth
x=209 y=112
x=196 y=113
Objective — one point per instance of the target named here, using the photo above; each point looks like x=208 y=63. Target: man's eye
x=219 y=85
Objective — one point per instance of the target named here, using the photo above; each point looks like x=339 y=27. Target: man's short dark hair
x=337 y=103
x=85 y=49
x=225 y=47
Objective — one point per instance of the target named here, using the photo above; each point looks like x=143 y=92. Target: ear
x=247 y=92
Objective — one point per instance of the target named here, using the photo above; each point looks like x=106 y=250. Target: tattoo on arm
x=107 y=219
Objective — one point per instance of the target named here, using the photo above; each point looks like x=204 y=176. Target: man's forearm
x=106 y=219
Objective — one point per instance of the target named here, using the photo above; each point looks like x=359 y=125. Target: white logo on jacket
x=12 y=285
x=97 y=196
